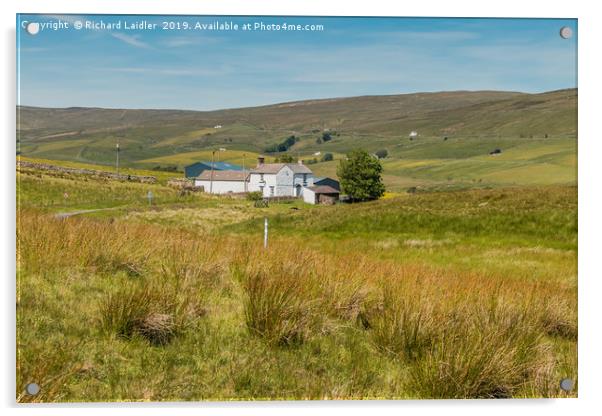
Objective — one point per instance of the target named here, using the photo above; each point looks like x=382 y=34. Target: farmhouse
x=272 y=180
x=280 y=179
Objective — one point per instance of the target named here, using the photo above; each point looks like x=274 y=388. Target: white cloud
x=133 y=40
x=165 y=71
x=435 y=36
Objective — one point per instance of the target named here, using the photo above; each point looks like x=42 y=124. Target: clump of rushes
x=559 y=319
x=119 y=262
x=126 y=312
x=156 y=311
x=280 y=301
x=401 y=324
x=491 y=353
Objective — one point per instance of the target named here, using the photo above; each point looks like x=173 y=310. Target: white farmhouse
x=271 y=179
x=280 y=179
x=223 y=181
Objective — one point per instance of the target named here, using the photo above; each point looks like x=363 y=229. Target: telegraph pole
x=117 y=158
x=244 y=177
x=211 y=179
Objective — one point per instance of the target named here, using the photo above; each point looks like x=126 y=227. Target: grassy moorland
x=536 y=134
x=148 y=137
x=463 y=294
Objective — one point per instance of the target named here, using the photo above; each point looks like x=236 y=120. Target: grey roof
x=224 y=175
x=275 y=168
x=323 y=189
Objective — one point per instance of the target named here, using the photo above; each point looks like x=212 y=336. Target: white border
x=590 y=207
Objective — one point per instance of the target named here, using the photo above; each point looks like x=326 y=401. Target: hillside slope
x=372 y=122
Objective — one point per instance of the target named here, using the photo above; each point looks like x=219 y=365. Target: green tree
x=327 y=157
x=360 y=176
x=286 y=158
x=382 y=153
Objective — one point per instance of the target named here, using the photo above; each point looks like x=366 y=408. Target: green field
x=452 y=293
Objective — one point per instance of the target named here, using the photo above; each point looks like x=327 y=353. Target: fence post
x=265 y=232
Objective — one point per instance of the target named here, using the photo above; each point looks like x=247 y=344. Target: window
x=305 y=179
x=261 y=177
x=271 y=191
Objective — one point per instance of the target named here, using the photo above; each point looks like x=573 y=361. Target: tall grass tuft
x=123 y=312
x=280 y=302
x=491 y=353
x=558 y=318
x=402 y=324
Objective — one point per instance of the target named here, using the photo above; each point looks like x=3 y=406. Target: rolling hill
x=456 y=132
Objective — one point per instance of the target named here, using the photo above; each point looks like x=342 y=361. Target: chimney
x=300 y=162
x=260 y=160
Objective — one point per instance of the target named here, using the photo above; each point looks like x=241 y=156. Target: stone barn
x=321 y=194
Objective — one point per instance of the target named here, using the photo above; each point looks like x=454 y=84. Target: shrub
x=169 y=168
x=282 y=146
x=285 y=158
x=254 y=196
x=327 y=157
x=382 y=153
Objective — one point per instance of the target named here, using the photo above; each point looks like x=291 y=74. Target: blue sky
x=207 y=69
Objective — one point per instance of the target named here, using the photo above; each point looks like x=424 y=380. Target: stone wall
x=62 y=171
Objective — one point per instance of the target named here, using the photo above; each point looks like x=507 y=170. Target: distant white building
x=280 y=179
x=271 y=179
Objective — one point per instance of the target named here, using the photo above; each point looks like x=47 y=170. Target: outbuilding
x=321 y=194
x=333 y=183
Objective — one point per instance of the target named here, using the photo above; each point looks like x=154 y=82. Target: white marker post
x=149 y=195
x=265 y=233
